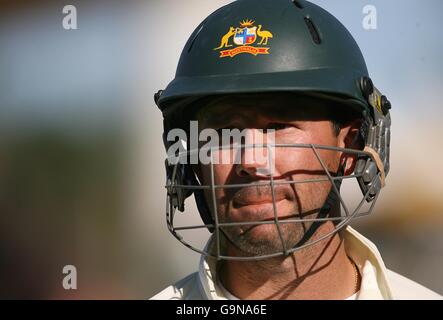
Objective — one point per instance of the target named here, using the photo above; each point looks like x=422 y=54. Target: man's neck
x=320 y=271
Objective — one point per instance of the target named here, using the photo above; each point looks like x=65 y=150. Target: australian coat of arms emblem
x=243 y=38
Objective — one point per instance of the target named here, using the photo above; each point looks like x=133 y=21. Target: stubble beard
x=264 y=239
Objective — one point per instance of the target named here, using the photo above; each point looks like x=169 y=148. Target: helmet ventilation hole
x=313 y=30
x=196 y=35
x=297 y=4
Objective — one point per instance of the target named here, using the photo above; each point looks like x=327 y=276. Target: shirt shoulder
x=406 y=289
x=187 y=288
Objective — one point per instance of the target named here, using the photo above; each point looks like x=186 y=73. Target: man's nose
x=255 y=156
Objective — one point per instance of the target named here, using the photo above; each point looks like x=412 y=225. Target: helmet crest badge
x=244 y=37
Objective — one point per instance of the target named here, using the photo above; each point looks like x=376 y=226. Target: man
x=293 y=83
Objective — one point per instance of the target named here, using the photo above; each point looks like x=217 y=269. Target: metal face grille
x=176 y=185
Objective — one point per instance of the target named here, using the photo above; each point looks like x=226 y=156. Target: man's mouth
x=260 y=222
x=262 y=210
x=239 y=202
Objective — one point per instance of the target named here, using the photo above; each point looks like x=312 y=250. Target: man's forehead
x=263 y=104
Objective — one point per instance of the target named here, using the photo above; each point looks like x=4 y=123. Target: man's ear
x=348 y=138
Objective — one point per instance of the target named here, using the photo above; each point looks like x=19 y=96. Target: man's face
x=294 y=122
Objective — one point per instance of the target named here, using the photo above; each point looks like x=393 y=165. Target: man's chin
x=262 y=240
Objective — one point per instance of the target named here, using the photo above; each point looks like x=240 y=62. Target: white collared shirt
x=377 y=283
x=230 y=296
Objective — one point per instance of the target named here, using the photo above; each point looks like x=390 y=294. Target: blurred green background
x=81 y=157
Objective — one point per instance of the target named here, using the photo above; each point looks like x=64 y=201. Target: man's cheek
x=311 y=195
x=302 y=161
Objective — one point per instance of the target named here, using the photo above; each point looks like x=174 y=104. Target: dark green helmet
x=264 y=46
x=251 y=46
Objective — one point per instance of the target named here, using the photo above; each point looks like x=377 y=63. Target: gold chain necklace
x=356 y=275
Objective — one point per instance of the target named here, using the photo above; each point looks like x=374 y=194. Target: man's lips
x=242 y=202
x=262 y=210
x=263 y=220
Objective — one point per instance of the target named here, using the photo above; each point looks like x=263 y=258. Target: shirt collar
x=374 y=284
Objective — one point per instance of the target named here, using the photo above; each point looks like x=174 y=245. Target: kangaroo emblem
x=225 y=40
